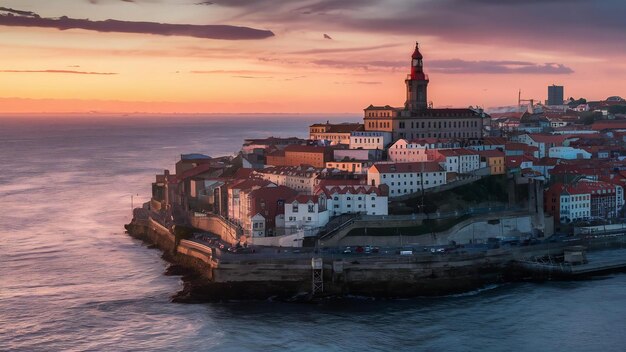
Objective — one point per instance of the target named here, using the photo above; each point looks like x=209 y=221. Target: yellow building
x=354 y=166
x=494 y=159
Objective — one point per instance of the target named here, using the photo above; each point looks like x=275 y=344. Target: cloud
x=253 y=77
x=61 y=71
x=225 y=32
x=19 y=12
x=544 y=25
x=326 y=36
x=365 y=65
x=457 y=66
x=235 y=72
x=368 y=82
x=345 y=50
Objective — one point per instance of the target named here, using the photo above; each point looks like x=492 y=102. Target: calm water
x=71 y=280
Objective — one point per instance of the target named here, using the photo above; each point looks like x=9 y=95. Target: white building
x=405 y=151
x=369 y=139
x=370 y=200
x=568 y=153
x=575 y=206
x=461 y=161
x=306 y=212
x=406 y=178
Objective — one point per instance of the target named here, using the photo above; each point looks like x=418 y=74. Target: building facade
x=335 y=133
x=369 y=139
x=406 y=178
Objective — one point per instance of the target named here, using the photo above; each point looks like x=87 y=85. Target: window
x=349 y=205
x=349 y=198
x=359 y=198
x=336 y=206
x=311 y=208
x=309 y=218
x=294 y=208
x=373 y=205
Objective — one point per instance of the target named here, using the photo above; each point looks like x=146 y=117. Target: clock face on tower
x=414 y=62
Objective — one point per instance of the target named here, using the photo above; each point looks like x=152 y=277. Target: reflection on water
x=71 y=280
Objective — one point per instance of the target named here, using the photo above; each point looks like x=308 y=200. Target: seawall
x=214 y=276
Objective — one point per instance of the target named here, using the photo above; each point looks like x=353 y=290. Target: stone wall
x=214 y=224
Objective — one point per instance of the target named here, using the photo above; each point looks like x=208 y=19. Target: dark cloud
x=365 y=65
x=19 y=12
x=545 y=25
x=344 y=50
x=206 y=3
x=60 y=71
x=456 y=66
x=166 y=29
x=325 y=6
x=581 y=26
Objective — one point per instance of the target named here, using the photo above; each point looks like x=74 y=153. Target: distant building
x=555 y=95
x=335 y=133
x=296 y=155
x=369 y=139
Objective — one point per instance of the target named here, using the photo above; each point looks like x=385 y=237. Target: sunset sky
x=307 y=56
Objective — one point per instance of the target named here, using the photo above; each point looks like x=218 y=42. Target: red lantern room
x=417 y=68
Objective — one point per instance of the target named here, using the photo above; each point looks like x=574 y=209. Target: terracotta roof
x=594 y=187
x=609 y=124
x=381 y=190
x=494 y=141
x=426 y=166
x=202 y=168
x=548 y=138
x=520 y=146
x=303 y=198
x=491 y=153
x=514 y=161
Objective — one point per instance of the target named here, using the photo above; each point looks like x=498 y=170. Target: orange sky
x=43 y=69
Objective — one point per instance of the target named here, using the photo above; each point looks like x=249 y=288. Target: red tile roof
x=609 y=124
x=556 y=139
x=491 y=153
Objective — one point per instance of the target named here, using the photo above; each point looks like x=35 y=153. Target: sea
x=72 y=280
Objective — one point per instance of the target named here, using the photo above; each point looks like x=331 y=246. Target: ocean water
x=71 y=280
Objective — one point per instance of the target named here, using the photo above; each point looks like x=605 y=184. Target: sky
x=301 y=56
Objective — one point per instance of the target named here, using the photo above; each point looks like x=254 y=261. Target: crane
x=531 y=101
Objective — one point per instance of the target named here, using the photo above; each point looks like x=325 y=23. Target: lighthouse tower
x=416 y=83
